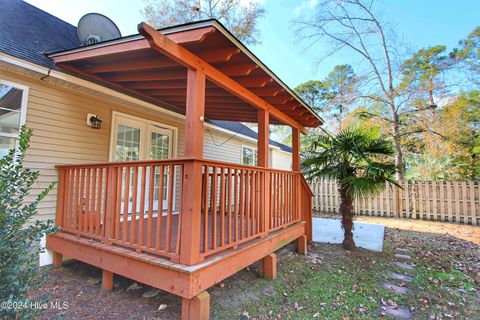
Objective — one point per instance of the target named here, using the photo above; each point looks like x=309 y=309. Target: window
x=249 y=156
x=13 y=101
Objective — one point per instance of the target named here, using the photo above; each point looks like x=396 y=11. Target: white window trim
x=241 y=155
x=115 y=114
x=23 y=107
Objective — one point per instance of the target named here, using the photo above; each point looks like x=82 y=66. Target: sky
x=418 y=23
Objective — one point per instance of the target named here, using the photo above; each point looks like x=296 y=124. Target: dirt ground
x=328 y=283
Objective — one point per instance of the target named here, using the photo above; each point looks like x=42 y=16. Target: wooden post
x=268 y=267
x=192 y=173
x=196 y=308
x=296 y=168
x=107 y=280
x=195 y=110
x=263 y=143
x=302 y=245
x=295 y=150
x=57 y=260
x=263 y=137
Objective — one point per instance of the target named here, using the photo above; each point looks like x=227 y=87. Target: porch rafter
x=166 y=46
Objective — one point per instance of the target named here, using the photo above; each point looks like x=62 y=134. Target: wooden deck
x=176 y=278
x=108 y=216
x=159 y=227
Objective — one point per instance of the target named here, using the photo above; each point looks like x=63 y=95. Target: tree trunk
x=346 y=210
x=397 y=142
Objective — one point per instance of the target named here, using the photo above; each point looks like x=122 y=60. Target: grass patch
x=329 y=282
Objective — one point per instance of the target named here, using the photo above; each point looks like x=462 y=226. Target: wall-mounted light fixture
x=94 y=121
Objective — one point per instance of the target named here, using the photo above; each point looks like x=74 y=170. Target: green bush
x=20 y=232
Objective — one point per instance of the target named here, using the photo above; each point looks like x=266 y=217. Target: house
x=158 y=180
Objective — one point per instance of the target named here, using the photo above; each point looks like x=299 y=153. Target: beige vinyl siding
x=230 y=151
x=61 y=136
x=281 y=160
x=57 y=116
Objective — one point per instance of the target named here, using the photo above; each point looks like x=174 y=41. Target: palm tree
x=360 y=160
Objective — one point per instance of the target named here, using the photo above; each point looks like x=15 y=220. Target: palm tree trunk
x=346 y=210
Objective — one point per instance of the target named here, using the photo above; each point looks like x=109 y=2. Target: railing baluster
x=158 y=235
x=206 y=175
x=150 y=205
x=86 y=212
x=170 y=192
x=142 y=208
x=214 y=208
x=247 y=202
x=222 y=206
x=133 y=222
x=118 y=204
x=177 y=241
x=242 y=203
x=93 y=215
x=254 y=203
x=229 y=205
x=126 y=204
x=71 y=200
x=235 y=202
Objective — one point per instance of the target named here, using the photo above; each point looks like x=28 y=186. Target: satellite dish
x=95 y=27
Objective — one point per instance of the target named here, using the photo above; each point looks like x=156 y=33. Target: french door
x=135 y=140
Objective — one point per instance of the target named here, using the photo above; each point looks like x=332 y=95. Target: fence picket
x=453 y=201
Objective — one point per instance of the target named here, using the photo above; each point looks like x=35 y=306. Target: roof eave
x=191 y=26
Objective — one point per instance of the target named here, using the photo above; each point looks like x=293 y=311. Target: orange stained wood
x=57 y=260
x=196 y=308
x=181 y=280
x=184 y=37
x=156 y=71
x=302 y=245
x=263 y=137
x=269 y=266
x=190 y=214
x=295 y=150
x=185 y=57
x=107 y=280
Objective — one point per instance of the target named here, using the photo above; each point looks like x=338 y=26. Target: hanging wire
x=228 y=139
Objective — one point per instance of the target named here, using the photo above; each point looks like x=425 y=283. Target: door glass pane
x=5 y=145
x=10 y=107
x=127 y=147
x=160 y=144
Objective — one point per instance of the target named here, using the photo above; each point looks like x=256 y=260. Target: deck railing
x=138 y=204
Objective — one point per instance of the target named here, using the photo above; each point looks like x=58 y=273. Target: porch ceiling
x=130 y=64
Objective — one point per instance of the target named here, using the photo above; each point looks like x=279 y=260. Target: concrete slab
x=366 y=235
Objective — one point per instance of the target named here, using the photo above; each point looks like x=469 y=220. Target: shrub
x=19 y=233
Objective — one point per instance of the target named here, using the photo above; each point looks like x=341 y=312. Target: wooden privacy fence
x=452 y=201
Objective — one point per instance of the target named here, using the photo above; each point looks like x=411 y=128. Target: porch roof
x=152 y=68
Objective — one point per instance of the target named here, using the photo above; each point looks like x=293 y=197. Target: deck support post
x=268 y=267
x=263 y=143
x=302 y=245
x=295 y=150
x=192 y=172
x=107 y=280
x=57 y=259
x=263 y=139
x=196 y=308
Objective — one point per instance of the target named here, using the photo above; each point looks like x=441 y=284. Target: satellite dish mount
x=95 y=27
